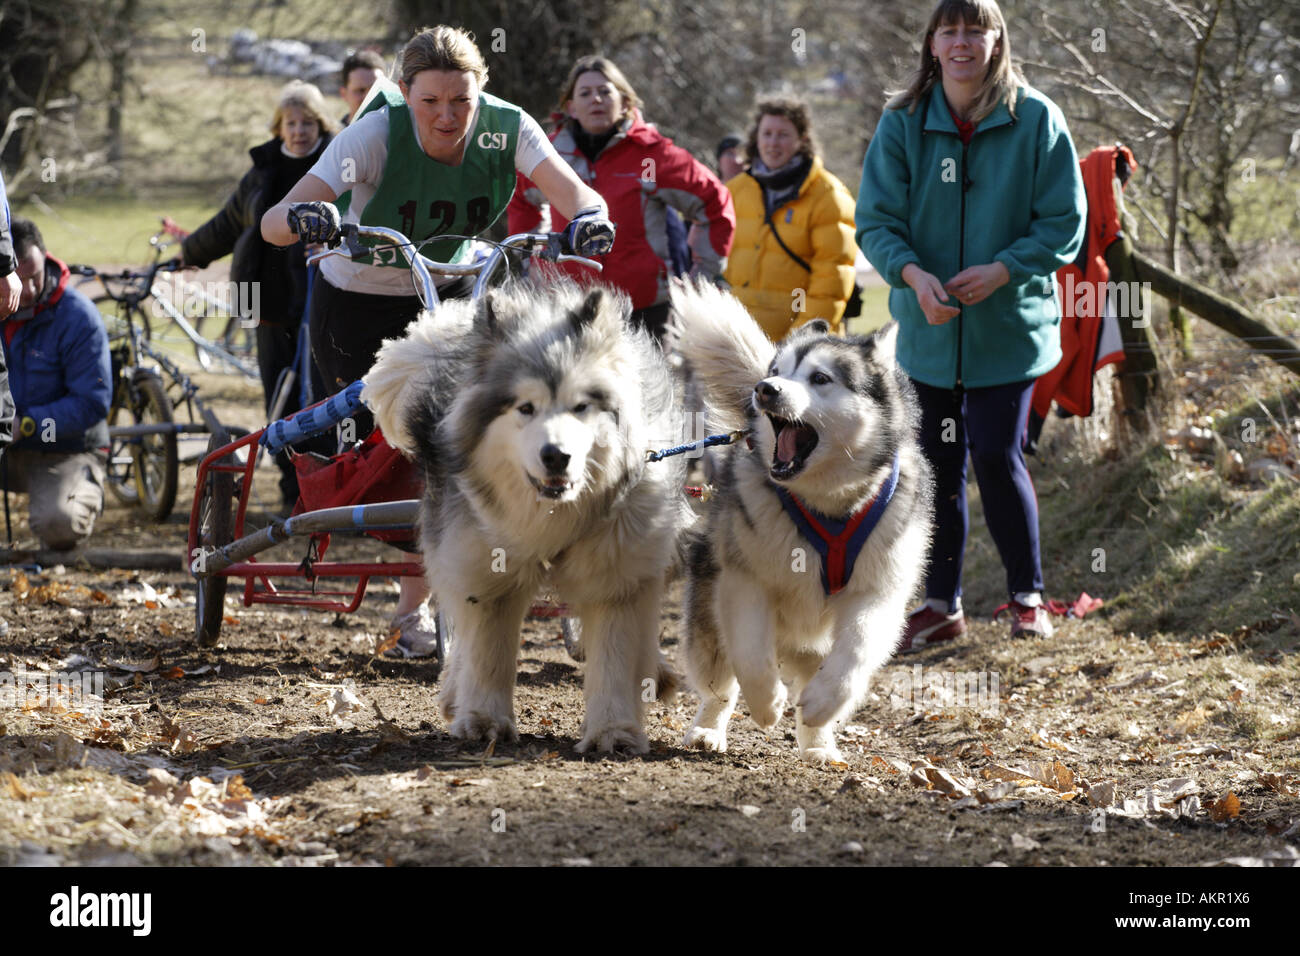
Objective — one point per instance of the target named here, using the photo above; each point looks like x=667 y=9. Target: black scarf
x=591 y=144
x=781 y=184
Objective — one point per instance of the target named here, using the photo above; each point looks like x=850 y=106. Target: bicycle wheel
x=236 y=339
x=157 y=459
x=114 y=315
x=120 y=472
x=216 y=529
x=205 y=325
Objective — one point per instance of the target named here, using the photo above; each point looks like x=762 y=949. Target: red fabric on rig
x=374 y=471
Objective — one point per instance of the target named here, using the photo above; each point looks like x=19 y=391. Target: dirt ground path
x=292 y=743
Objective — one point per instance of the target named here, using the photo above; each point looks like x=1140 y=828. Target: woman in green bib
x=440 y=158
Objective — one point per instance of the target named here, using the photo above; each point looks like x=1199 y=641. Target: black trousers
x=347 y=329
x=277 y=347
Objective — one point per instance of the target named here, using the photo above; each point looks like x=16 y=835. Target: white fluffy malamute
x=530 y=412
x=817 y=535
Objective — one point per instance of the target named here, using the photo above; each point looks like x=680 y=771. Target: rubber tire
x=156 y=483
x=230 y=339
x=120 y=477
x=571 y=629
x=216 y=528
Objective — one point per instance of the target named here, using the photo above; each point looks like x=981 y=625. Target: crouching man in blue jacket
x=60 y=374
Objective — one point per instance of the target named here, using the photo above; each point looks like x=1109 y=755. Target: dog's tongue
x=787 y=444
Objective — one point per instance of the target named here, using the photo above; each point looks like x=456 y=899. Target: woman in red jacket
x=640 y=174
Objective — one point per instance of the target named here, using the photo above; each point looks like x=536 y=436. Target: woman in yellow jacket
x=792 y=258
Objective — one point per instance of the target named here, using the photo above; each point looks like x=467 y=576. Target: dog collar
x=839 y=541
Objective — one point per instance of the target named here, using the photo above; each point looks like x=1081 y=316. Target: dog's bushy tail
x=728 y=352
x=406 y=370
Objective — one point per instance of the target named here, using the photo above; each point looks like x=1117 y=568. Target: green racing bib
x=423 y=198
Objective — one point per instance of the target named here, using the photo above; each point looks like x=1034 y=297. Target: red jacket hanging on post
x=1090 y=335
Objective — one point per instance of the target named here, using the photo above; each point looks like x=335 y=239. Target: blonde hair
x=442 y=48
x=307 y=98
x=607 y=68
x=1003 y=81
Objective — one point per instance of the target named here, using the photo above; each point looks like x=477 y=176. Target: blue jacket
x=59 y=368
x=1014 y=196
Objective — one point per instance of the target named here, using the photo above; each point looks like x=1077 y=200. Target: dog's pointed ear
x=814 y=327
x=884 y=340
x=486 y=321
x=589 y=310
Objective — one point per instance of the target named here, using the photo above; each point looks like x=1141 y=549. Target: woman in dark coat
x=302 y=128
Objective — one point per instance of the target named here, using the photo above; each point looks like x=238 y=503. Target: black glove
x=590 y=233
x=314 y=222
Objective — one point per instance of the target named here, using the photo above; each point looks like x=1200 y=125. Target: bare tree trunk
x=1140 y=376
x=1182 y=330
x=1181 y=326
x=119 y=61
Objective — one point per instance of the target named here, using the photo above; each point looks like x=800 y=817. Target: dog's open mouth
x=553 y=487
x=795 y=441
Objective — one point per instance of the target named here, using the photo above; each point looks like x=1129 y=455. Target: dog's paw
x=667 y=682
x=706 y=738
x=478 y=725
x=767 y=714
x=821 y=756
x=821 y=702
x=447 y=700
x=628 y=737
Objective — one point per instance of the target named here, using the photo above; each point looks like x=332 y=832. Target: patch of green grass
x=875 y=310
x=1168 y=547
x=110 y=231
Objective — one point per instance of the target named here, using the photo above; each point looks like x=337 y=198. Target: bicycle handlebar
x=542 y=244
x=143 y=277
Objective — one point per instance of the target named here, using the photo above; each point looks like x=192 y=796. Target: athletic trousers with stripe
x=990 y=423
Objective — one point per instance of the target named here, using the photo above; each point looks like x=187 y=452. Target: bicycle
x=144 y=457
x=225 y=313
x=234 y=349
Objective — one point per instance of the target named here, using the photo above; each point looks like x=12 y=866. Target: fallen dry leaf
x=13 y=788
x=1278 y=783
x=342 y=702
x=1169 y=791
x=148 y=668
x=945 y=783
x=1102 y=794
x=388 y=643
x=409 y=781
x=1226 y=808
x=182 y=738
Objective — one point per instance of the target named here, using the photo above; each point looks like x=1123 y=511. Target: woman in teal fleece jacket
x=970 y=201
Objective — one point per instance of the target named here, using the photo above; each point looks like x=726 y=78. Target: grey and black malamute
x=817 y=535
x=530 y=412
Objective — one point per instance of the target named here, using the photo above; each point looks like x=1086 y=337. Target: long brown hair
x=1001 y=84
x=607 y=68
